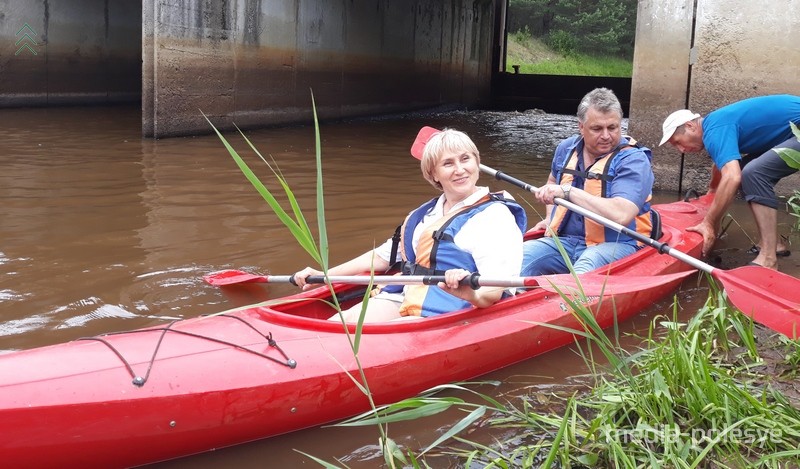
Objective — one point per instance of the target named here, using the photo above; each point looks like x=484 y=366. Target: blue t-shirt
x=632 y=179
x=749 y=127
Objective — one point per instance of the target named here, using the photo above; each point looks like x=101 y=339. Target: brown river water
x=101 y=231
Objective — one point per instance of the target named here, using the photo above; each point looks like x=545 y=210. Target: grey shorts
x=760 y=174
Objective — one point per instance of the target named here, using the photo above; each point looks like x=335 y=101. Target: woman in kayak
x=466 y=229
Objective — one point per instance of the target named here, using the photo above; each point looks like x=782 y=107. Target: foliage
x=298 y=226
x=793 y=206
x=520 y=36
x=536 y=15
x=686 y=399
x=604 y=27
x=695 y=395
x=792 y=357
x=563 y=41
x=790 y=156
x=535 y=58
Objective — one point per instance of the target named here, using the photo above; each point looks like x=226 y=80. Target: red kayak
x=144 y=396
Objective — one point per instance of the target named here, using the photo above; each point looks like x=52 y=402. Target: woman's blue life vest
x=437 y=252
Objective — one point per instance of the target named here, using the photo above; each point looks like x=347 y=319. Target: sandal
x=782 y=253
x=755 y=250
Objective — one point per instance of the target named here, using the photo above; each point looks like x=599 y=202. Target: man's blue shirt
x=750 y=127
x=631 y=173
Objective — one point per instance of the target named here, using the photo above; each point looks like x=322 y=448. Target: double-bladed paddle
x=590 y=284
x=770 y=297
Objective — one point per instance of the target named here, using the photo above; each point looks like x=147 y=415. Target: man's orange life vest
x=595 y=182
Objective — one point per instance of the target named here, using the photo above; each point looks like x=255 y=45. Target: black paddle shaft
x=473 y=280
x=662 y=248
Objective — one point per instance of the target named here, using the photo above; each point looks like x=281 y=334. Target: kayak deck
x=138 y=397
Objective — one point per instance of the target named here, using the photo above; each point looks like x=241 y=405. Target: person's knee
x=351 y=314
x=535 y=257
x=602 y=254
x=530 y=256
x=751 y=181
x=530 y=268
x=748 y=171
x=588 y=264
x=770 y=202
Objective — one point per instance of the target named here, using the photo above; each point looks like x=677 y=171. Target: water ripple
x=21 y=326
x=103 y=312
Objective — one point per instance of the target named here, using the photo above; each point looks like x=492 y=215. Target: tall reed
x=694 y=394
x=299 y=228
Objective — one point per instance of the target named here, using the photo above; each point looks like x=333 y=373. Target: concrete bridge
x=254 y=62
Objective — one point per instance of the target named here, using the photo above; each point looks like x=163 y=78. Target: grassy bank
x=715 y=391
x=710 y=392
x=535 y=57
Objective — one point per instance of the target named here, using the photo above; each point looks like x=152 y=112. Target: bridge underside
x=256 y=62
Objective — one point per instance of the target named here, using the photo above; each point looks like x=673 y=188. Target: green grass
x=695 y=394
x=534 y=57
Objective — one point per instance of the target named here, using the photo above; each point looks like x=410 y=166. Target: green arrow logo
x=26 y=39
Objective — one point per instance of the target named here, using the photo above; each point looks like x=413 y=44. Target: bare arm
x=730 y=177
x=541 y=225
x=617 y=209
x=728 y=184
x=715 y=177
x=482 y=297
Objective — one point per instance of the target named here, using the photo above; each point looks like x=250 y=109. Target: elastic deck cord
x=139 y=381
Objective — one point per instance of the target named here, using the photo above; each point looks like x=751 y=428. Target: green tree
x=600 y=26
x=605 y=27
x=536 y=15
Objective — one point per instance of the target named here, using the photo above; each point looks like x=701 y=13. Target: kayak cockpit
x=311 y=309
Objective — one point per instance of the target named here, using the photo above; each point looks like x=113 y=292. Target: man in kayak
x=466 y=229
x=758 y=128
x=602 y=171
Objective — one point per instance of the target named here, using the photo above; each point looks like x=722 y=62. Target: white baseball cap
x=675 y=120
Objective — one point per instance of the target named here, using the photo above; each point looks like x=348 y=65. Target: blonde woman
x=466 y=229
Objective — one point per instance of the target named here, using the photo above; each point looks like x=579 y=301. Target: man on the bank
x=746 y=131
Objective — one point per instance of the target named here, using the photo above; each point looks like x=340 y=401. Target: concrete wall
x=741 y=49
x=70 y=52
x=255 y=62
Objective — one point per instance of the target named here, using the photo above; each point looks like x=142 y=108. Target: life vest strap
x=394 y=263
x=410 y=268
x=587 y=174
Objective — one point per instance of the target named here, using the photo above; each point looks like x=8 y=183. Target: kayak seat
x=655 y=219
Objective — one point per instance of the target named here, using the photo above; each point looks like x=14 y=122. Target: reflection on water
x=105 y=231
x=102 y=231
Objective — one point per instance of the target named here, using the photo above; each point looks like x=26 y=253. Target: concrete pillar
x=705 y=56
x=69 y=52
x=660 y=77
x=255 y=62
